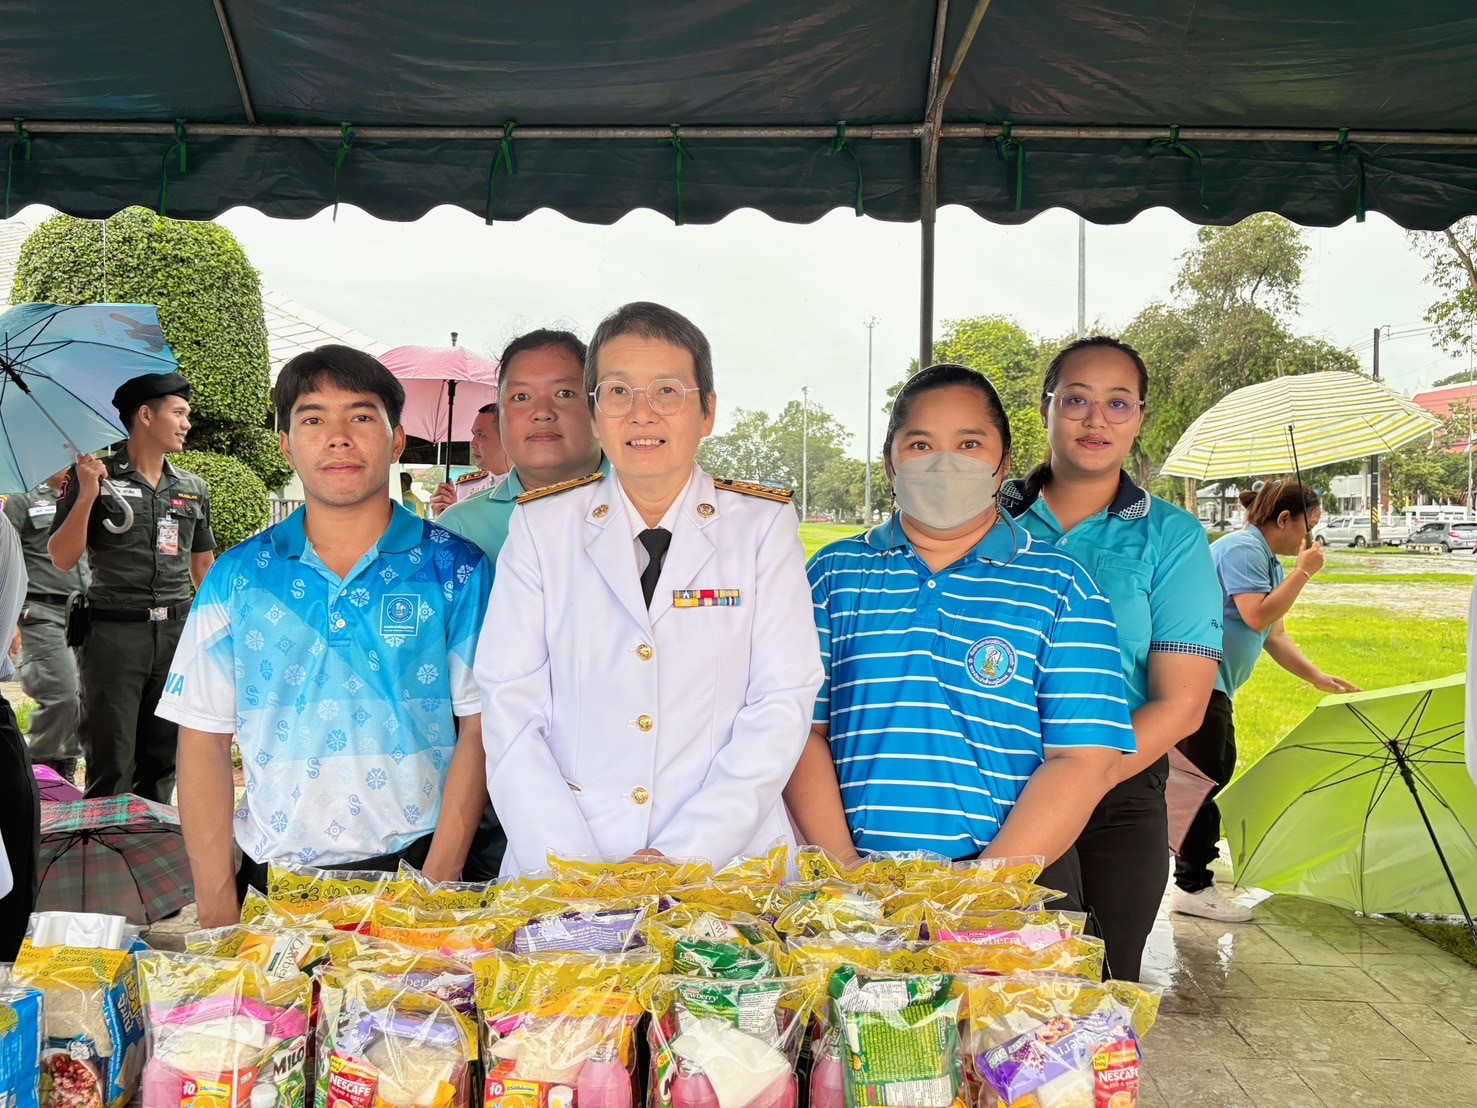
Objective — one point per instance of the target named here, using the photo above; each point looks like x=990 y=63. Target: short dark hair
x=153 y=404
x=654 y=321
x=943 y=376
x=488 y=409
x=1094 y=342
x=1276 y=497
x=545 y=337
x=349 y=369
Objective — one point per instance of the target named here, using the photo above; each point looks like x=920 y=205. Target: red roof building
x=1439 y=402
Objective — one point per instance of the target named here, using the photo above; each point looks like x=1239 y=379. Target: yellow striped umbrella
x=1322 y=417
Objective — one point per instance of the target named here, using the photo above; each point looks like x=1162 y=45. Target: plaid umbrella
x=118 y=854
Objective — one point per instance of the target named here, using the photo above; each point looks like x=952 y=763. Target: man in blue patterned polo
x=337 y=647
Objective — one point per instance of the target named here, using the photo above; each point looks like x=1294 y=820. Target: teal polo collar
x=1129 y=503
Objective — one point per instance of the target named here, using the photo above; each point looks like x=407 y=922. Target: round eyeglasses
x=1075 y=405
x=666 y=397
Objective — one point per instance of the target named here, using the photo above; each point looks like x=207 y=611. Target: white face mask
x=944 y=490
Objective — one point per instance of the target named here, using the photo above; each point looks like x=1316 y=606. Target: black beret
x=149 y=386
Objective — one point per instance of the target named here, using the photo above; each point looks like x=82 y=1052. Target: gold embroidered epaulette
x=475 y=475
x=562 y=486
x=751 y=488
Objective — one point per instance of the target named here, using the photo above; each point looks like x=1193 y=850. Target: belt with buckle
x=142 y=615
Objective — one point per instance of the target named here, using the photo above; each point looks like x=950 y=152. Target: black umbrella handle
x=1409 y=778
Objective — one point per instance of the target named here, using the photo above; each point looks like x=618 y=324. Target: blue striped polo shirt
x=944 y=690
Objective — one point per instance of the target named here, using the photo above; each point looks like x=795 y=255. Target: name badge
x=129 y=490
x=168 y=542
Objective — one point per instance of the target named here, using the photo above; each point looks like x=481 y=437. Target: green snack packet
x=727 y=961
x=899 y=1038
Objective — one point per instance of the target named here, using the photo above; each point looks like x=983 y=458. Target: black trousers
x=1120 y=864
x=1212 y=750
x=20 y=827
x=128 y=748
x=253 y=874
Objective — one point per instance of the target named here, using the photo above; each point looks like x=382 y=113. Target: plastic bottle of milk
x=826 y=1081
x=603 y=1083
x=692 y=1089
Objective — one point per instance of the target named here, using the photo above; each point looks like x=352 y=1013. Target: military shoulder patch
x=562 y=486
x=751 y=488
x=475 y=475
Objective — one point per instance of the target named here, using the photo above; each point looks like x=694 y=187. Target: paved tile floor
x=1307 y=1005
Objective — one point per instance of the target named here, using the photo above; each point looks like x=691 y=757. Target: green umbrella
x=1366 y=804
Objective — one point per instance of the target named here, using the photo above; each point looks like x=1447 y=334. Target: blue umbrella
x=64 y=363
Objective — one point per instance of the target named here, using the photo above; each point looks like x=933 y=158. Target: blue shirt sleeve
x=1185 y=601
x=1080 y=693
x=820 y=598
x=1244 y=568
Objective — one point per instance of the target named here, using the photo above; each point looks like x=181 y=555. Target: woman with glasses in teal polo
x=1152 y=561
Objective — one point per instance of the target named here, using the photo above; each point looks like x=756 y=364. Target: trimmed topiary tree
x=239 y=503
x=210 y=308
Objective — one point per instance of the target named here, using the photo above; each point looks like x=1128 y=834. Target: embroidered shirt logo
x=400 y=615
x=991 y=662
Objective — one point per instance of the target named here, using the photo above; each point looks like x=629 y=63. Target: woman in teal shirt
x=1152 y=561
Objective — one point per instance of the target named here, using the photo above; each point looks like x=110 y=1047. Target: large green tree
x=1452 y=257
x=210 y=308
x=791 y=451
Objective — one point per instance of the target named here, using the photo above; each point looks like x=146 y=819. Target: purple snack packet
x=579 y=932
x=1062 y=1052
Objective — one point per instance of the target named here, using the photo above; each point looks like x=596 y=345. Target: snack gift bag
x=222 y=1033
x=728 y=1044
x=559 y=1030
x=899 y=1039
x=21 y=1023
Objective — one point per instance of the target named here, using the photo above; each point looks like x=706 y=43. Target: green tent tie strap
x=1175 y=143
x=178 y=147
x=1341 y=146
x=345 y=141
x=23 y=141
x=675 y=141
x=840 y=147
x=1010 y=148
x=507 y=160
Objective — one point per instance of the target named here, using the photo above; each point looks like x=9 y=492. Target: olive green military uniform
x=141 y=592
x=48 y=666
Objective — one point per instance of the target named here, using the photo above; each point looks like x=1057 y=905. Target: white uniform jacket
x=610 y=729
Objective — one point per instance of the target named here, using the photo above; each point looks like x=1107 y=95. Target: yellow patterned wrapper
x=903 y=870
x=553 y=984
x=822 y=956
x=302 y=888
x=464 y=936
x=278 y=951
x=756 y=869
x=763 y=901
x=1000 y=1008
x=963 y=896
x=1079 y=956
x=838 y=907
x=632 y=876
x=411 y=886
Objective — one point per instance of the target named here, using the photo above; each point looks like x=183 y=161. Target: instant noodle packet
x=558 y=1030
x=728 y=1044
x=463 y=935
x=1047 y=1041
x=222 y=1034
x=94 y=1047
x=381 y=1045
x=583 y=926
x=898 y=1040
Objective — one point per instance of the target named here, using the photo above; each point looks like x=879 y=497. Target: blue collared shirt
x=1152 y=561
x=1245 y=564
x=484 y=518
x=944 y=690
x=342 y=693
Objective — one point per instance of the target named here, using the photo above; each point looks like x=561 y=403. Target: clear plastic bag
x=895 y=1040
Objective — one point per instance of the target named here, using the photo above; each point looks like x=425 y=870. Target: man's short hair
x=343 y=367
x=488 y=409
x=545 y=337
x=654 y=321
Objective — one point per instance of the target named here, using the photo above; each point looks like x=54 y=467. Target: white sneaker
x=1209 y=904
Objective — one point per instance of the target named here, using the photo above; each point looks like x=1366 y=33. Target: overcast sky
x=783 y=304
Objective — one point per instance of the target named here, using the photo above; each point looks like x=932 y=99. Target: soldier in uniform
x=648 y=664
x=488 y=456
x=48 y=666
x=143 y=577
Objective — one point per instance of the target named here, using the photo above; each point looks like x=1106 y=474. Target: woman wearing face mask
x=1257 y=595
x=972 y=700
x=1152 y=561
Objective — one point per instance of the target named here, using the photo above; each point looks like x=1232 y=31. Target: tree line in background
x=1228 y=321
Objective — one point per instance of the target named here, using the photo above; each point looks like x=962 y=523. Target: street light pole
x=870 y=322
x=1081 y=277
x=804 y=453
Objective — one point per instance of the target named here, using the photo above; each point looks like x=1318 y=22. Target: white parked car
x=1343 y=531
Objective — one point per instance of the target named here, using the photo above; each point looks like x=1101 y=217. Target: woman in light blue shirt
x=1152 y=561
x=1257 y=597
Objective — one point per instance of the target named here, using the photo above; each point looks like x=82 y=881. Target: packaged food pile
x=905 y=981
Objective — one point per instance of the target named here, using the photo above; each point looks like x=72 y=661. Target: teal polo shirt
x=1151 y=560
x=483 y=519
x=1245 y=564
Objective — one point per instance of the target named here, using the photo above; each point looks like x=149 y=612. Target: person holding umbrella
x=1257 y=596
x=143 y=576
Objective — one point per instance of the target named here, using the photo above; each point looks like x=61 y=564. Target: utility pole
x=870 y=322
x=804 y=453
x=1081 y=277
x=1374 y=463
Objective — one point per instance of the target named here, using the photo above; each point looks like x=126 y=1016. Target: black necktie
x=656 y=540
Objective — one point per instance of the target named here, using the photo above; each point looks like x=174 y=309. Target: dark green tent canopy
x=1213 y=110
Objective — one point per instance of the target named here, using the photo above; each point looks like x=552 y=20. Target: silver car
x=1448 y=536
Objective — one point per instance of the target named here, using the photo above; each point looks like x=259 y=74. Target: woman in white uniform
x=649 y=662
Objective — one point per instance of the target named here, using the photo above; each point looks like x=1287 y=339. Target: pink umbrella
x=1184 y=793
x=444 y=388
x=53 y=786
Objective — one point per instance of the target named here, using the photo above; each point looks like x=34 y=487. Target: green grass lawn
x=813 y=536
